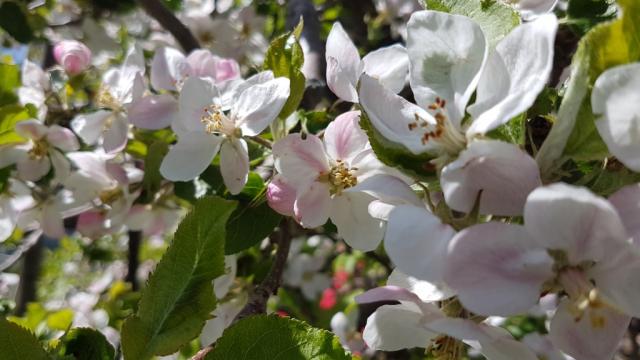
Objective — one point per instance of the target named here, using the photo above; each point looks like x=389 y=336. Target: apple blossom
x=344 y=66
x=73 y=56
x=35 y=84
x=206 y=126
x=443 y=78
x=572 y=241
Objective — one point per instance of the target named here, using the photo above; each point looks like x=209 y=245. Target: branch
x=157 y=10
x=27 y=290
x=135 y=238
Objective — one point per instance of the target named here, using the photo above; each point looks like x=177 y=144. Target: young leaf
x=85 y=344
x=494 y=17
x=17 y=343
x=271 y=337
x=10 y=76
x=179 y=295
x=10 y=115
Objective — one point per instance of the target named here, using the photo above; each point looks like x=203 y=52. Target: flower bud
x=73 y=56
x=227 y=69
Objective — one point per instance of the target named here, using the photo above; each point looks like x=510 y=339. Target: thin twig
x=157 y=10
x=262 y=141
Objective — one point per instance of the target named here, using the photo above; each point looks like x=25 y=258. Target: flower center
x=584 y=297
x=216 y=122
x=341 y=177
x=111 y=195
x=39 y=150
x=106 y=100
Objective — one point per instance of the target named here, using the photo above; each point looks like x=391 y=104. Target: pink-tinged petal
x=627 y=202
x=234 y=164
x=167 y=68
x=8 y=217
x=51 y=222
x=521 y=76
x=344 y=138
x=389 y=189
x=390 y=65
x=116 y=136
x=259 y=105
x=33 y=169
x=496 y=269
x=416 y=241
x=447 y=53
x=300 y=160
x=92 y=224
x=227 y=69
x=61 y=166
x=140 y=217
x=393 y=116
x=196 y=96
x=31 y=129
x=426 y=291
x=153 y=112
x=396 y=327
x=617 y=281
x=190 y=156
x=570 y=218
x=62 y=138
x=89 y=127
x=343 y=64
x=388 y=293
x=503 y=172
x=350 y=214
x=202 y=63
x=580 y=339
x=281 y=195
x=74 y=56
x=492 y=342
x=313 y=205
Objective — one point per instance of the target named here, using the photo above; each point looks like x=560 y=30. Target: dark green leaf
x=249 y=225
x=85 y=344
x=18 y=343
x=273 y=337
x=14 y=21
x=152 y=177
x=179 y=297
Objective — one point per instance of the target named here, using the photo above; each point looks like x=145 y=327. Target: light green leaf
x=607 y=45
x=273 y=337
x=495 y=18
x=285 y=58
x=18 y=343
x=179 y=297
x=60 y=320
x=85 y=344
x=10 y=115
x=10 y=76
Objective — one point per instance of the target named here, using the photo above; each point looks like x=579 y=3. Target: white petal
x=344 y=138
x=496 y=269
x=583 y=341
x=531 y=9
x=299 y=160
x=392 y=115
x=167 y=67
x=89 y=126
x=389 y=189
x=447 y=53
x=390 y=65
x=51 y=220
x=153 y=112
x=115 y=138
x=416 y=241
x=61 y=166
x=350 y=214
x=196 y=97
x=570 y=218
x=234 y=164
x=504 y=173
x=616 y=97
x=31 y=129
x=259 y=105
x=513 y=78
x=190 y=156
x=627 y=203
x=33 y=169
x=343 y=64
x=62 y=138
x=312 y=206
x=7 y=218
x=616 y=279
x=396 y=327
x=426 y=291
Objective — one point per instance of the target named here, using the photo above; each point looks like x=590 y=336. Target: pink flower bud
x=227 y=69
x=74 y=56
x=281 y=196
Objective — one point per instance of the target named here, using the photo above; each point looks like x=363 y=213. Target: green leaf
x=495 y=18
x=249 y=225
x=14 y=21
x=586 y=13
x=18 y=343
x=397 y=155
x=179 y=297
x=60 y=320
x=10 y=115
x=285 y=58
x=85 y=344
x=607 y=45
x=273 y=337
x=152 y=177
x=10 y=76
x=512 y=132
